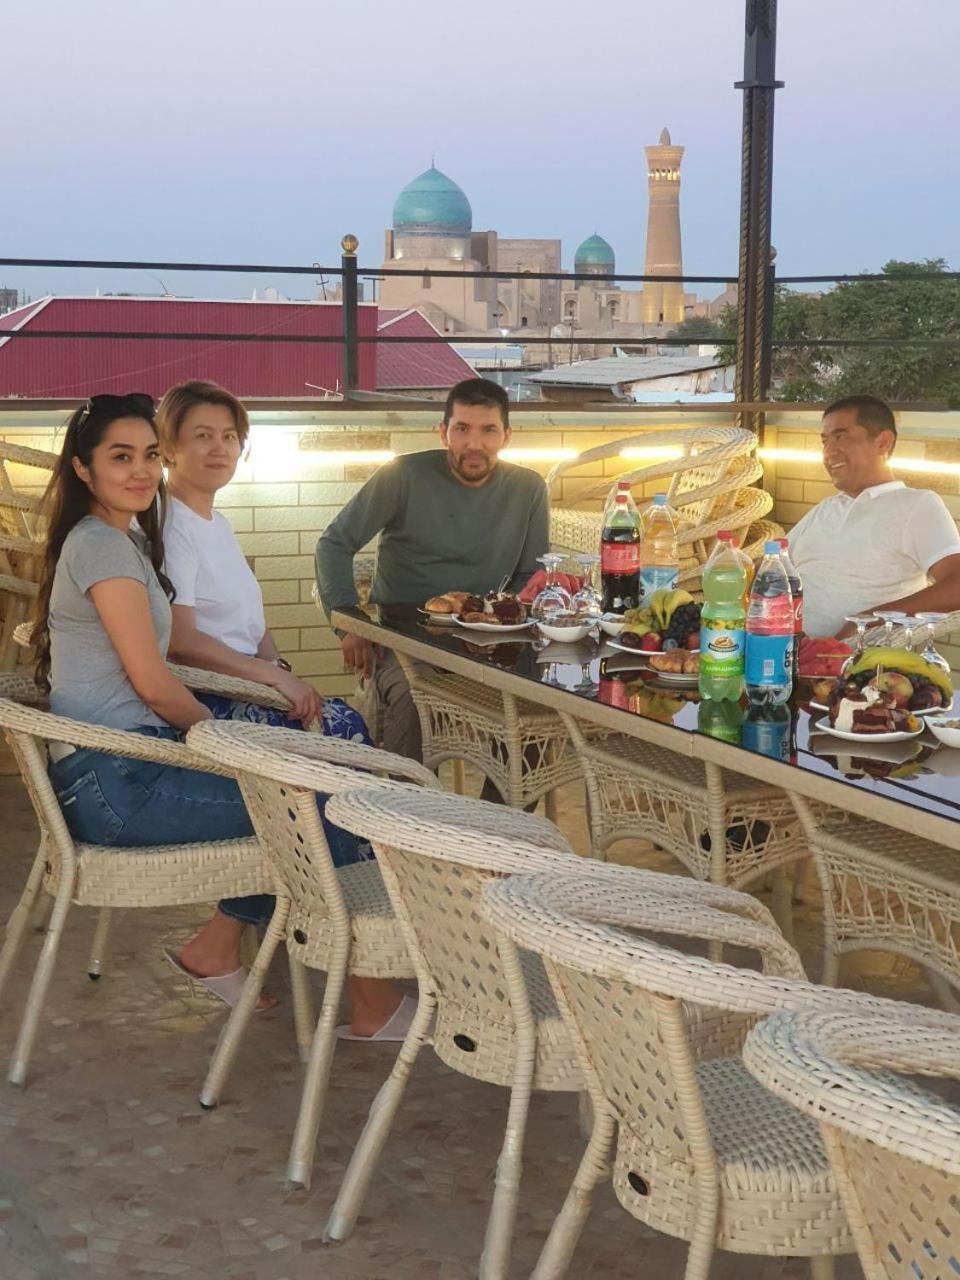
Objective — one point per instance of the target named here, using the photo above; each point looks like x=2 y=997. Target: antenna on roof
x=433 y=159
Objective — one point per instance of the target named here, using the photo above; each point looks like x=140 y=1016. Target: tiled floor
x=109 y=1168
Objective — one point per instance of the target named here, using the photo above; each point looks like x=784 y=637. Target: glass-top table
x=913 y=784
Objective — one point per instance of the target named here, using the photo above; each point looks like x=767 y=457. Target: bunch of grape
x=683 y=622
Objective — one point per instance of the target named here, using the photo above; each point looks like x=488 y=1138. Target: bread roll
x=442 y=604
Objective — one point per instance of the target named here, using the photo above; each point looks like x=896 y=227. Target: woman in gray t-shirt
x=103 y=625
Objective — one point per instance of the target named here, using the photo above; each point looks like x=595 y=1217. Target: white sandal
x=393 y=1030
x=227 y=987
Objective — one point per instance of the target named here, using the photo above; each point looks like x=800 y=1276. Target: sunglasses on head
x=136 y=405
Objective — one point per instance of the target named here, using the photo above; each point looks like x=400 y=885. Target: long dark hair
x=67 y=500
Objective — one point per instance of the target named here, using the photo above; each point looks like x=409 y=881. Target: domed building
x=432 y=218
x=594 y=257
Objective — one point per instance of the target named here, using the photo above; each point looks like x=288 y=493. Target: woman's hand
x=306 y=705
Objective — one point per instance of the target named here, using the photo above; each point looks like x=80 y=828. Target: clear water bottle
x=722 y=624
x=796 y=587
x=770 y=631
x=659 y=549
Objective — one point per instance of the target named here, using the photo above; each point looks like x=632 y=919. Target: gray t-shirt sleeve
x=96 y=552
x=367 y=513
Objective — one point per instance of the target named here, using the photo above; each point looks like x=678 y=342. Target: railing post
x=351 y=367
x=754 y=331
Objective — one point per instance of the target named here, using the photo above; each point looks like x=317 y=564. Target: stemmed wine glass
x=891 y=619
x=928 y=622
x=554 y=598
x=588 y=601
x=862 y=621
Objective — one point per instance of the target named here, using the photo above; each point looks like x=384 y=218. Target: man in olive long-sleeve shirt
x=455 y=519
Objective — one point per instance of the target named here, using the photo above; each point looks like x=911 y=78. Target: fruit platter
x=670 y=619
x=915 y=685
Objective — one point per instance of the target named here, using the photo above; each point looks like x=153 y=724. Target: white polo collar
x=874 y=490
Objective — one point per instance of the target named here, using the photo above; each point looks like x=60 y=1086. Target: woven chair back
x=893 y=1143
x=280 y=773
x=437 y=852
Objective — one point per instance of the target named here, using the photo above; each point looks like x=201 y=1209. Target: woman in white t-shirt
x=219 y=624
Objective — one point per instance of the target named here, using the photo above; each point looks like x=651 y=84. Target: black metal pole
x=351 y=372
x=766 y=345
x=754 y=329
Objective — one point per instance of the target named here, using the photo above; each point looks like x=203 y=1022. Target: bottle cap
x=660 y=500
x=724 y=536
x=623 y=484
x=771 y=548
x=784 y=543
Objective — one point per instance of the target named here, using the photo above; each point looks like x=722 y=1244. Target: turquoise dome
x=594 y=252
x=432 y=204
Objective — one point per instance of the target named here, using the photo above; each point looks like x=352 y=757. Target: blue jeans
x=113 y=800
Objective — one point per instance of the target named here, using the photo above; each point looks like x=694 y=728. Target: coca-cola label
x=613 y=692
x=620 y=557
x=798 y=614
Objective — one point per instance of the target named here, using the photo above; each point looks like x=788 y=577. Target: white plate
x=676 y=677
x=927 y=711
x=901 y=735
x=441 y=619
x=492 y=626
x=643 y=653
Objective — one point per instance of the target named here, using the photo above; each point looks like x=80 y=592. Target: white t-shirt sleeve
x=181 y=563
x=931 y=531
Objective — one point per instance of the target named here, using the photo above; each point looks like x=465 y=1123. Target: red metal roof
x=408 y=365
x=78 y=367
x=68 y=367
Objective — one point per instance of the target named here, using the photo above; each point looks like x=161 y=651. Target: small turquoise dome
x=594 y=252
x=432 y=204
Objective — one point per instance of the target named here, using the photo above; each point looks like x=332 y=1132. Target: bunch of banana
x=656 y=612
x=654 y=705
x=905 y=661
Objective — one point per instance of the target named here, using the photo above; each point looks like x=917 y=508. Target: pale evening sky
x=261 y=132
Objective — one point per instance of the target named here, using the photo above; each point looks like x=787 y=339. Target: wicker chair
x=19 y=546
x=893 y=1146
x=339 y=921
x=102 y=876
x=30 y=905
x=722 y=826
x=702 y=1152
x=496 y=1019
x=886 y=891
x=521 y=747
x=709 y=482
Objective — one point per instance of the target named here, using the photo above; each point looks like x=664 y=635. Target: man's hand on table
x=570 y=582
x=357 y=655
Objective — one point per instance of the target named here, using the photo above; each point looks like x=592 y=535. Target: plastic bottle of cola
x=620 y=556
x=796 y=586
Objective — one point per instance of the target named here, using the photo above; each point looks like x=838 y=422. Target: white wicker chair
x=702 y=1153
x=722 y=826
x=496 y=1019
x=709 y=482
x=101 y=876
x=19 y=545
x=339 y=921
x=886 y=891
x=894 y=1147
x=30 y=905
x=521 y=747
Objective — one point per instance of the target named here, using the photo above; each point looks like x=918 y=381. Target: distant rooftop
x=612 y=371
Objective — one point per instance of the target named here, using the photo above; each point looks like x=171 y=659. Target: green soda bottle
x=723 y=624
x=721 y=719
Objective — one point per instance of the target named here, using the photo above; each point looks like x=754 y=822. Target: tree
x=697 y=329
x=889 y=308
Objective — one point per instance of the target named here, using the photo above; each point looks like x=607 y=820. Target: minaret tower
x=663 y=303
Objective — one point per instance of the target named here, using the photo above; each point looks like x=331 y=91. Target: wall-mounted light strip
x=920 y=466
x=651 y=452
x=538 y=455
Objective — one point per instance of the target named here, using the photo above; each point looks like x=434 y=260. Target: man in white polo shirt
x=876 y=544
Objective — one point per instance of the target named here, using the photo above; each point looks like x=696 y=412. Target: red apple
x=651 y=642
